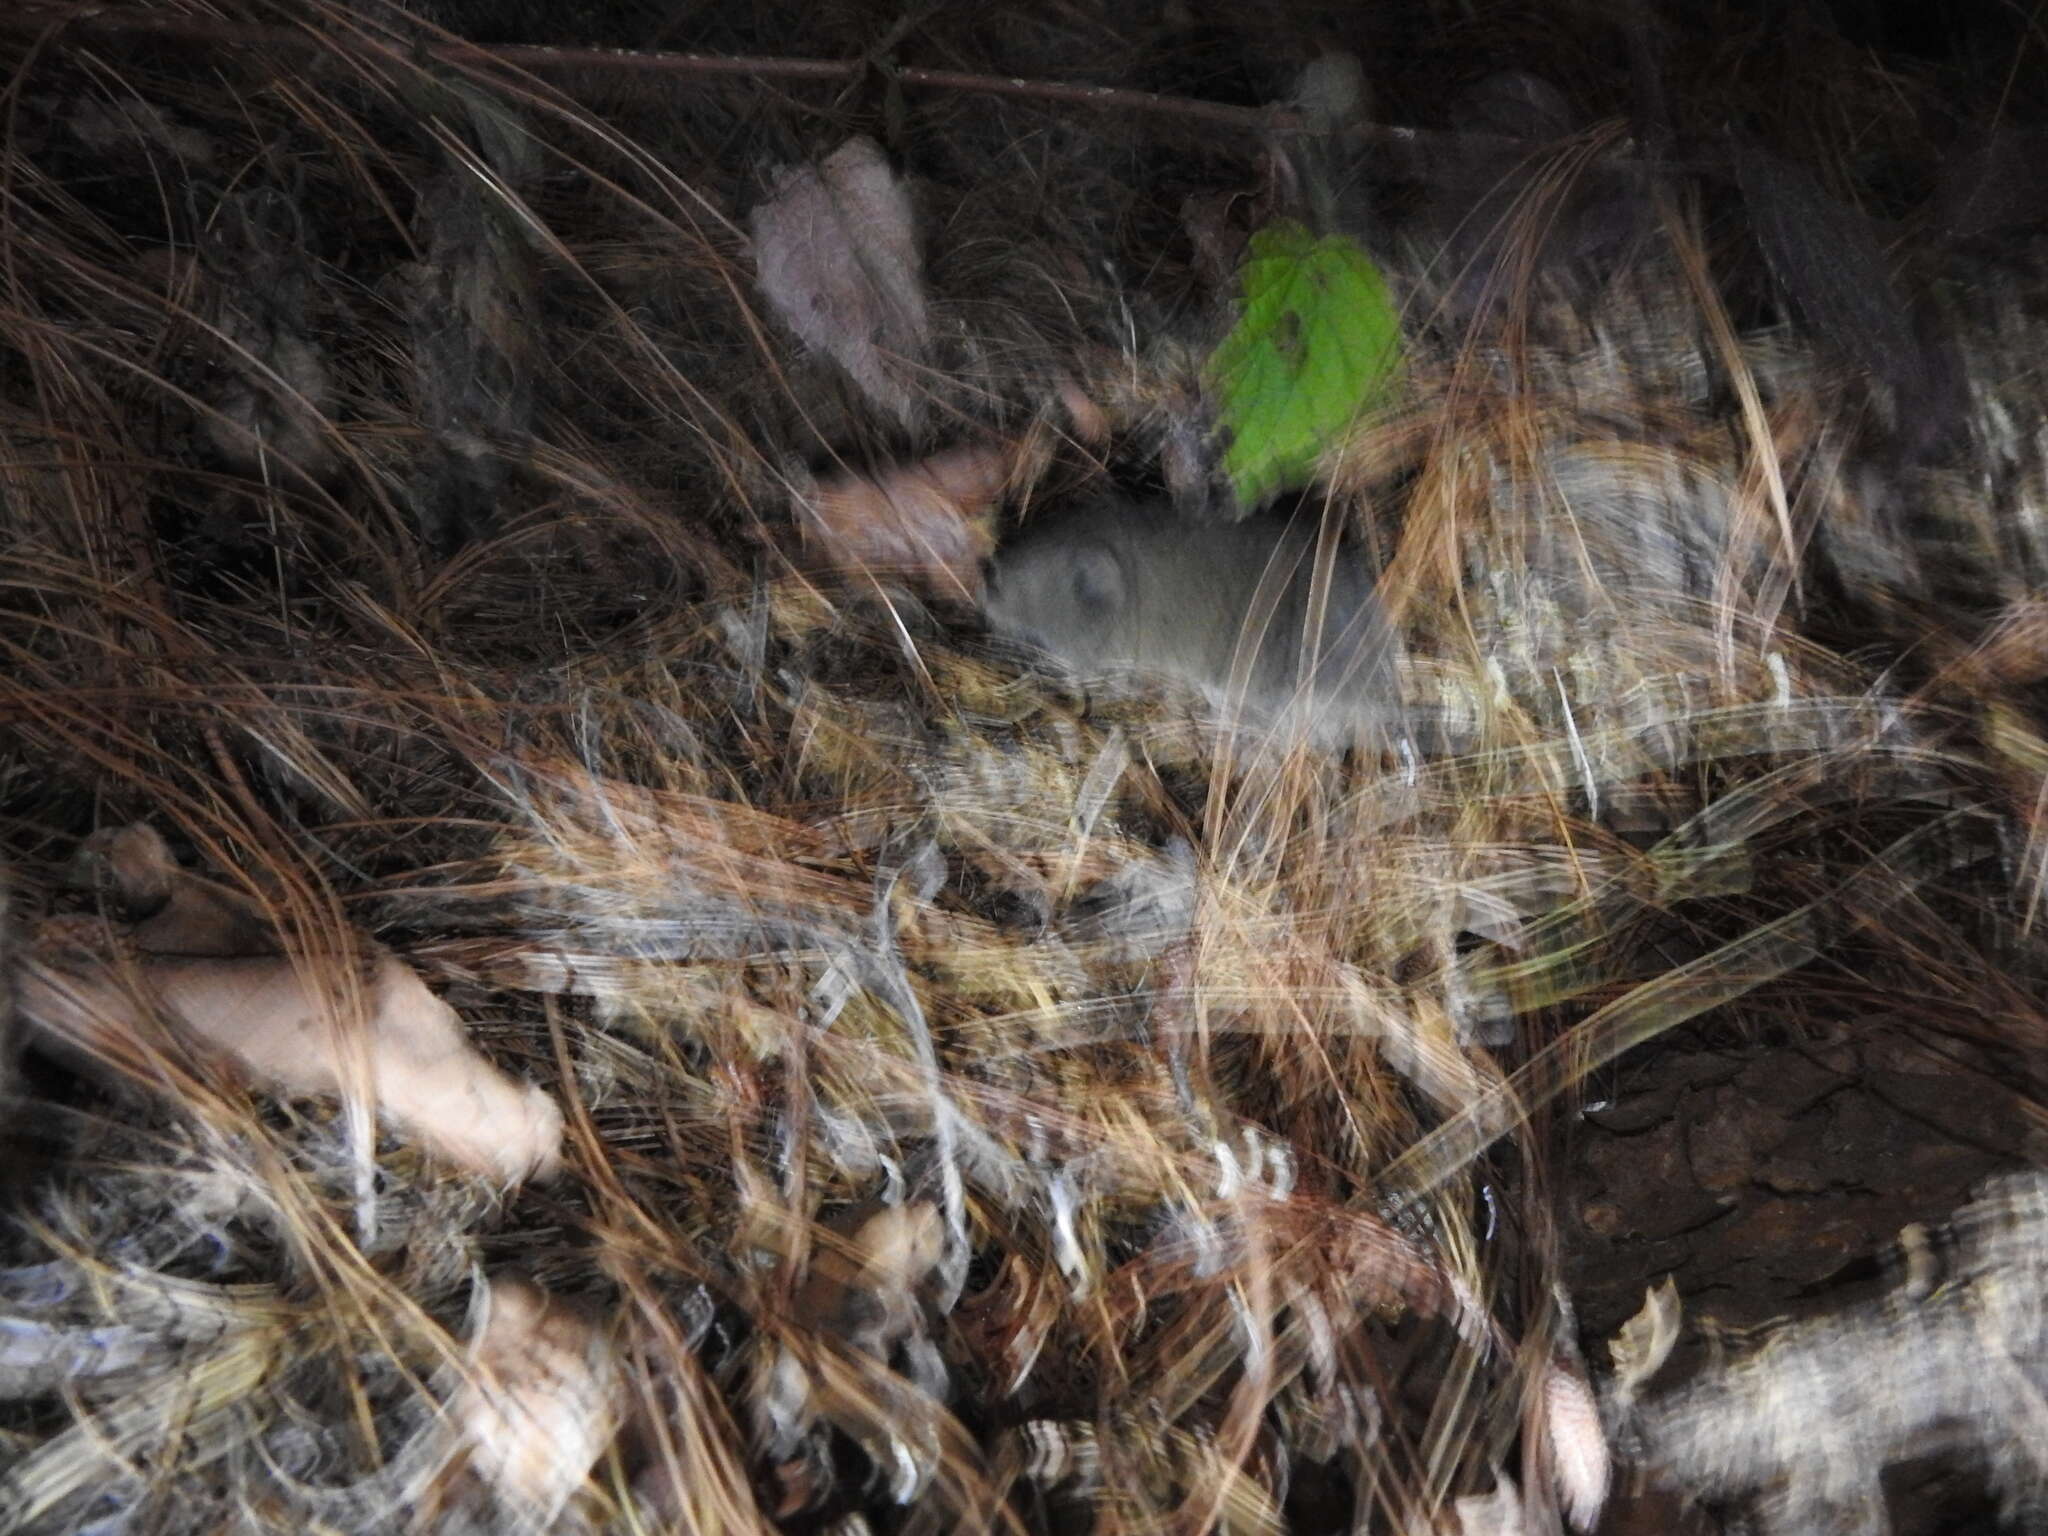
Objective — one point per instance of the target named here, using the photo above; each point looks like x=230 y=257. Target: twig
x=73 y=20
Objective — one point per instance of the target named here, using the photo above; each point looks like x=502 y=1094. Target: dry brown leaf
x=115 y=127
x=170 y=911
x=542 y=1401
x=930 y=519
x=835 y=252
x=863 y=1283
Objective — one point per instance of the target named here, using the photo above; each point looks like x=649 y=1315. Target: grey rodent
x=1136 y=589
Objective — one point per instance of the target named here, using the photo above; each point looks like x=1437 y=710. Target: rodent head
x=1133 y=588
x=1065 y=593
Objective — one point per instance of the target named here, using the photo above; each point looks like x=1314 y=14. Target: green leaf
x=1318 y=342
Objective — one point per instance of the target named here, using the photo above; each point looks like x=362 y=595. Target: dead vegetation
x=627 y=1012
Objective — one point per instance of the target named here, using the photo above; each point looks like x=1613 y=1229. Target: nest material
x=984 y=1105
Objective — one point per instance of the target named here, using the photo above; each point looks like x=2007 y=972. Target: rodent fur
x=1119 y=588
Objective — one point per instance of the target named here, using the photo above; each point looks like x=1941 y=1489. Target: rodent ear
x=1098 y=578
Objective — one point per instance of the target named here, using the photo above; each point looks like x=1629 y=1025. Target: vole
x=1119 y=589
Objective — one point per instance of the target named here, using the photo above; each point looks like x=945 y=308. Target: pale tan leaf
x=1580 y=1464
x=267 y=1018
x=1498 y=1513
x=543 y=1399
x=1643 y=1343
x=1090 y=421
x=835 y=253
